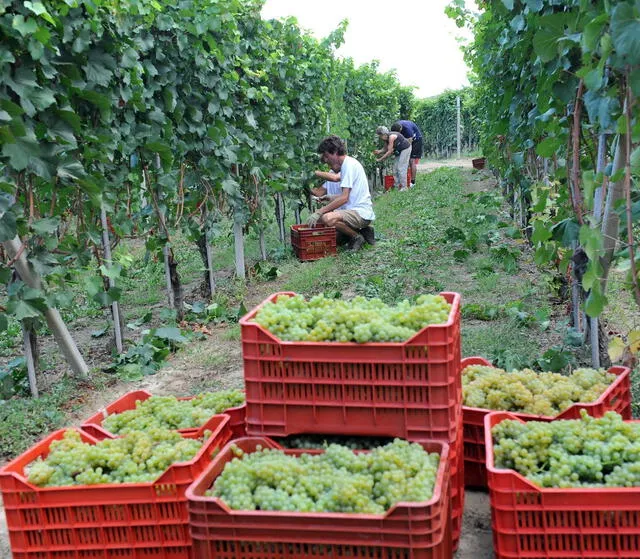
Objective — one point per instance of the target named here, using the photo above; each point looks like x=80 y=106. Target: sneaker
x=412 y=185
x=369 y=235
x=402 y=189
x=356 y=243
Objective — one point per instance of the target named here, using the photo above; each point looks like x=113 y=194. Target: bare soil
x=216 y=362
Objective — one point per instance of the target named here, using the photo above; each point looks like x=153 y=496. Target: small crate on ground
x=107 y=521
x=406 y=389
x=616 y=398
x=532 y=522
x=408 y=530
x=128 y=401
x=479 y=162
x=312 y=243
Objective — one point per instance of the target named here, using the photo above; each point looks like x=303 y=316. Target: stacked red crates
x=410 y=390
x=616 y=398
x=312 y=243
x=532 y=522
x=108 y=521
x=409 y=530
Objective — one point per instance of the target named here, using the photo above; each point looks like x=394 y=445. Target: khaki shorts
x=353 y=219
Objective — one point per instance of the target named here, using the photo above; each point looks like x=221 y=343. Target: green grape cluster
x=527 y=391
x=167 y=412
x=338 y=480
x=584 y=452
x=360 y=320
x=323 y=441
x=134 y=458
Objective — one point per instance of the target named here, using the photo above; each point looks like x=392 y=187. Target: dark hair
x=396 y=127
x=333 y=145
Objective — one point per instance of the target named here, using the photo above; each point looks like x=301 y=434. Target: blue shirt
x=410 y=129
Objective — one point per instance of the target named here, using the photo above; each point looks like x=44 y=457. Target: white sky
x=414 y=37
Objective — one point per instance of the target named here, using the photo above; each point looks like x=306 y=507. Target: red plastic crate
x=407 y=530
x=94 y=427
x=129 y=520
x=457 y=486
x=409 y=389
x=479 y=162
x=616 y=398
x=531 y=522
x=312 y=243
x=389 y=180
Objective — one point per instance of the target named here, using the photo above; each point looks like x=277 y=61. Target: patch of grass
x=11 y=338
x=500 y=342
x=215 y=384
x=199 y=358
x=232 y=333
x=24 y=421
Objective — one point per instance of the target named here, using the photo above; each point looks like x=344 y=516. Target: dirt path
x=465 y=163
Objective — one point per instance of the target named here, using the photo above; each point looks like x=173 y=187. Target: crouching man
x=351 y=211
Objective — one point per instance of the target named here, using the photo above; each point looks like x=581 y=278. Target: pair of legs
x=400 y=167
x=349 y=223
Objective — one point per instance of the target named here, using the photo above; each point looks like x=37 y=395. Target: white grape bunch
x=338 y=480
x=585 y=452
x=361 y=320
x=167 y=412
x=528 y=391
x=134 y=458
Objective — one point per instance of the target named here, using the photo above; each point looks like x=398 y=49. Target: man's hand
x=313 y=219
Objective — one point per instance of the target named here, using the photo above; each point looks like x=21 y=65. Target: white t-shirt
x=332 y=187
x=353 y=177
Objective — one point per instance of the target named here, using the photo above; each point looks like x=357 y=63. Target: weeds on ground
x=23 y=421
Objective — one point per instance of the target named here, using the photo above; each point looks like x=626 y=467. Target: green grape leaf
x=171 y=334
x=22 y=310
x=633 y=338
x=625 y=32
x=595 y=303
x=546 y=39
x=46 y=225
x=8 y=226
x=616 y=349
x=592 y=32
x=24 y=26
x=99 y=333
x=548 y=146
x=541 y=232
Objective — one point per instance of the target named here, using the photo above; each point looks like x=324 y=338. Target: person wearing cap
x=351 y=212
x=412 y=132
x=397 y=145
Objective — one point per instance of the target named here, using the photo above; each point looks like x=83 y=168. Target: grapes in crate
x=323 y=441
x=337 y=480
x=134 y=458
x=361 y=320
x=527 y=391
x=586 y=452
x=167 y=412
